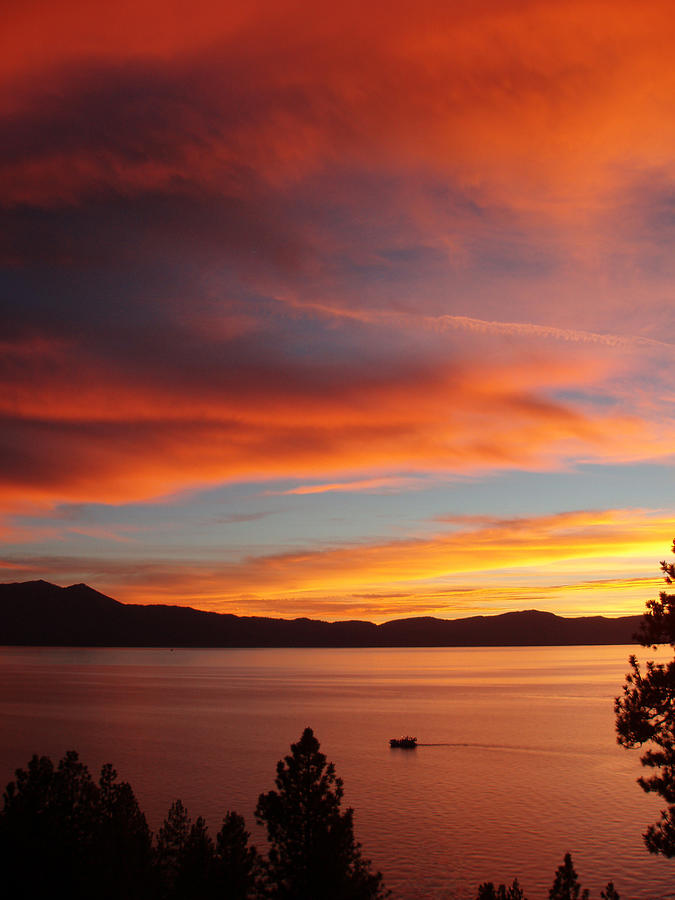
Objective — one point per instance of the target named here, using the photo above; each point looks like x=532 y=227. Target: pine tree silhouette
x=312 y=852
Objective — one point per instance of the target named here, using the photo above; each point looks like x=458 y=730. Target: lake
x=519 y=764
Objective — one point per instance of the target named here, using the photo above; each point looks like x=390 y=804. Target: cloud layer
x=330 y=253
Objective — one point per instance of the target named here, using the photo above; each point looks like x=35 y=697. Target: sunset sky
x=338 y=310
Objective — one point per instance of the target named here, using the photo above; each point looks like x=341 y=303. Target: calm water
x=520 y=766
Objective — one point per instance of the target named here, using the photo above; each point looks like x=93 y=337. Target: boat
x=407 y=742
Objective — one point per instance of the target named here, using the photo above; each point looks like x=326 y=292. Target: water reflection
x=524 y=765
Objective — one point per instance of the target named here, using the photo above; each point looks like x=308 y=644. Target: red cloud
x=535 y=103
x=246 y=242
x=81 y=432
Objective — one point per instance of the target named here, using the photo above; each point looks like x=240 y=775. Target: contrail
x=478 y=326
x=527 y=329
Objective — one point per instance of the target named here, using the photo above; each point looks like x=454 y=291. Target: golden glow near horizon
x=298 y=328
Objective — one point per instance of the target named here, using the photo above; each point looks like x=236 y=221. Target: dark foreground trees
x=60 y=829
x=488 y=891
x=645 y=715
x=565 y=886
x=63 y=834
x=312 y=852
x=188 y=864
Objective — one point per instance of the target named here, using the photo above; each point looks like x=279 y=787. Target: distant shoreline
x=40 y=614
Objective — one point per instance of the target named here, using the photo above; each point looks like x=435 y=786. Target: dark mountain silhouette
x=40 y=613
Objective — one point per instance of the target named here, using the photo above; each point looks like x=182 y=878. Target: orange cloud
x=534 y=105
x=588 y=542
x=84 y=435
x=246 y=242
x=582 y=562
x=365 y=484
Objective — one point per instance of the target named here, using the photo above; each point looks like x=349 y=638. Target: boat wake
x=511 y=748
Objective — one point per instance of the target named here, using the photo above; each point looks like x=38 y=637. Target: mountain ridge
x=43 y=614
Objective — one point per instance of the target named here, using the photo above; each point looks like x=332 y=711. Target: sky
x=336 y=310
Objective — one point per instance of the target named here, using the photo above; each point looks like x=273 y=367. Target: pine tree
x=185 y=858
x=123 y=850
x=195 y=878
x=62 y=833
x=645 y=715
x=566 y=885
x=171 y=840
x=312 y=852
x=487 y=891
x=237 y=864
